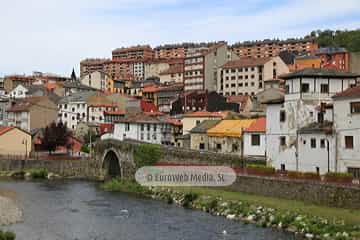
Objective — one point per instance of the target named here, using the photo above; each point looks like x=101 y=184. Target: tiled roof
x=204 y=126
x=77 y=97
x=245 y=62
x=259 y=125
x=5 y=129
x=118 y=112
x=139 y=118
x=319 y=72
x=353 y=92
x=50 y=85
x=99 y=101
x=237 y=99
x=25 y=104
x=147 y=106
x=230 y=128
x=205 y=114
x=325 y=127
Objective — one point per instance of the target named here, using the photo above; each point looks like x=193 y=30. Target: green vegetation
x=85 y=149
x=146 y=155
x=56 y=134
x=347 y=39
x=7 y=235
x=128 y=186
x=262 y=168
x=338 y=174
x=40 y=173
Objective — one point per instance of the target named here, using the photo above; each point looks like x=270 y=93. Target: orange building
x=136 y=52
x=306 y=62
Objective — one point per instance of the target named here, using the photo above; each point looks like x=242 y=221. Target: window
x=148 y=127
x=282 y=141
x=197 y=122
x=349 y=142
x=355 y=107
x=313 y=143
x=255 y=140
x=142 y=136
x=142 y=127
x=322 y=143
x=282 y=116
x=283 y=167
x=154 y=127
x=235 y=147
x=287 y=89
x=218 y=146
x=201 y=146
x=127 y=127
x=354 y=171
x=148 y=136
x=324 y=88
x=305 y=88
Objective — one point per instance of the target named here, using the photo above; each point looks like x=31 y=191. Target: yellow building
x=14 y=141
x=226 y=136
x=307 y=62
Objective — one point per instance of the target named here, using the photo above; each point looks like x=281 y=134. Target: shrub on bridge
x=7 y=235
x=147 y=155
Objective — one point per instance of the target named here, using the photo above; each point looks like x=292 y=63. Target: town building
x=302 y=115
x=244 y=102
x=31 y=113
x=18 y=92
x=135 y=52
x=192 y=119
x=255 y=139
x=174 y=74
x=166 y=95
x=338 y=58
x=14 y=141
x=171 y=51
x=227 y=136
x=200 y=67
x=119 y=69
x=154 y=67
x=202 y=101
x=75 y=86
x=246 y=76
x=4 y=105
x=272 y=48
x=98 y=80
x=12 y=81
x=97 y=105
x=145 y=128
x=346 y=125
x=306 y=61
x=199 y=139
x=90 y=65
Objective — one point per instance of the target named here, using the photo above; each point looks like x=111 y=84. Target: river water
x=76 y=210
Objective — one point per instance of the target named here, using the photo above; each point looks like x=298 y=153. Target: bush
x=7 y=235
x=146 y=155
x=188 y=199
x=85 y=149
x=128 y=186
x=39 y=173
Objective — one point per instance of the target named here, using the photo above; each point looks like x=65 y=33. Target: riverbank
x=309 y=221
x=10 y=211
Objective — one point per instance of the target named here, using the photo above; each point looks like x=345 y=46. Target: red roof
x=25 y=104
x=150 y=88
x=5 y=129
x=353 y=92
x=259 y=125
x=205 y=114
x=245 y=62
x=118 y=112
x=147 y=106
x=238 y=99
x=106 y=128
x=50 y=86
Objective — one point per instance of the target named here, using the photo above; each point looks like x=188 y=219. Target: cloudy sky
x=53 y=35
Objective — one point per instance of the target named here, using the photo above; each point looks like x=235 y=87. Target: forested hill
x=347 y=39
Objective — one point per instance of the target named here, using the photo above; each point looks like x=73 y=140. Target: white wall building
x=98 y=80
x=347 y=126
x=255 y=139
x=18 y=92
x=307 y=92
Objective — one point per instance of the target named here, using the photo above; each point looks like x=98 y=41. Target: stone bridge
x=116 y=158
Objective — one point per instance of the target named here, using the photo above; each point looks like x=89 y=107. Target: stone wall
x=67 y=168
x=311 y=192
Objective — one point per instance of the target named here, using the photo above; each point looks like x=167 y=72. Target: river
x=77 y=210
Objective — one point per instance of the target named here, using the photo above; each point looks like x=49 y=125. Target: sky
x=54 y=35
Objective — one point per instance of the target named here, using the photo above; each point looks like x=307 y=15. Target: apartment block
x=247 y=76
x=200 y=67
x=271 y=48
x=169 y=51
x=136 y=52
x=91 y=65
x=338 y=58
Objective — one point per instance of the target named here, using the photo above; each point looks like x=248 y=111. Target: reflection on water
x=73 y=210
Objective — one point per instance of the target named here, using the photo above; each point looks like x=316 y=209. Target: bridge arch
x=112 y=163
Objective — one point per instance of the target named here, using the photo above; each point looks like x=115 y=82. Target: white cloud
x=51 y=35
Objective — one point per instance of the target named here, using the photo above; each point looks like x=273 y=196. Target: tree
x=56 y=135
x=90 y=134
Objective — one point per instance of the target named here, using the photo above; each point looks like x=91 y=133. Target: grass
x=349 y=216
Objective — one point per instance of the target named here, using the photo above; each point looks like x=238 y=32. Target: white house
x=347 y=126
x=307 y=92
x=18 y=92
x=143 y=127
x=255 y=139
